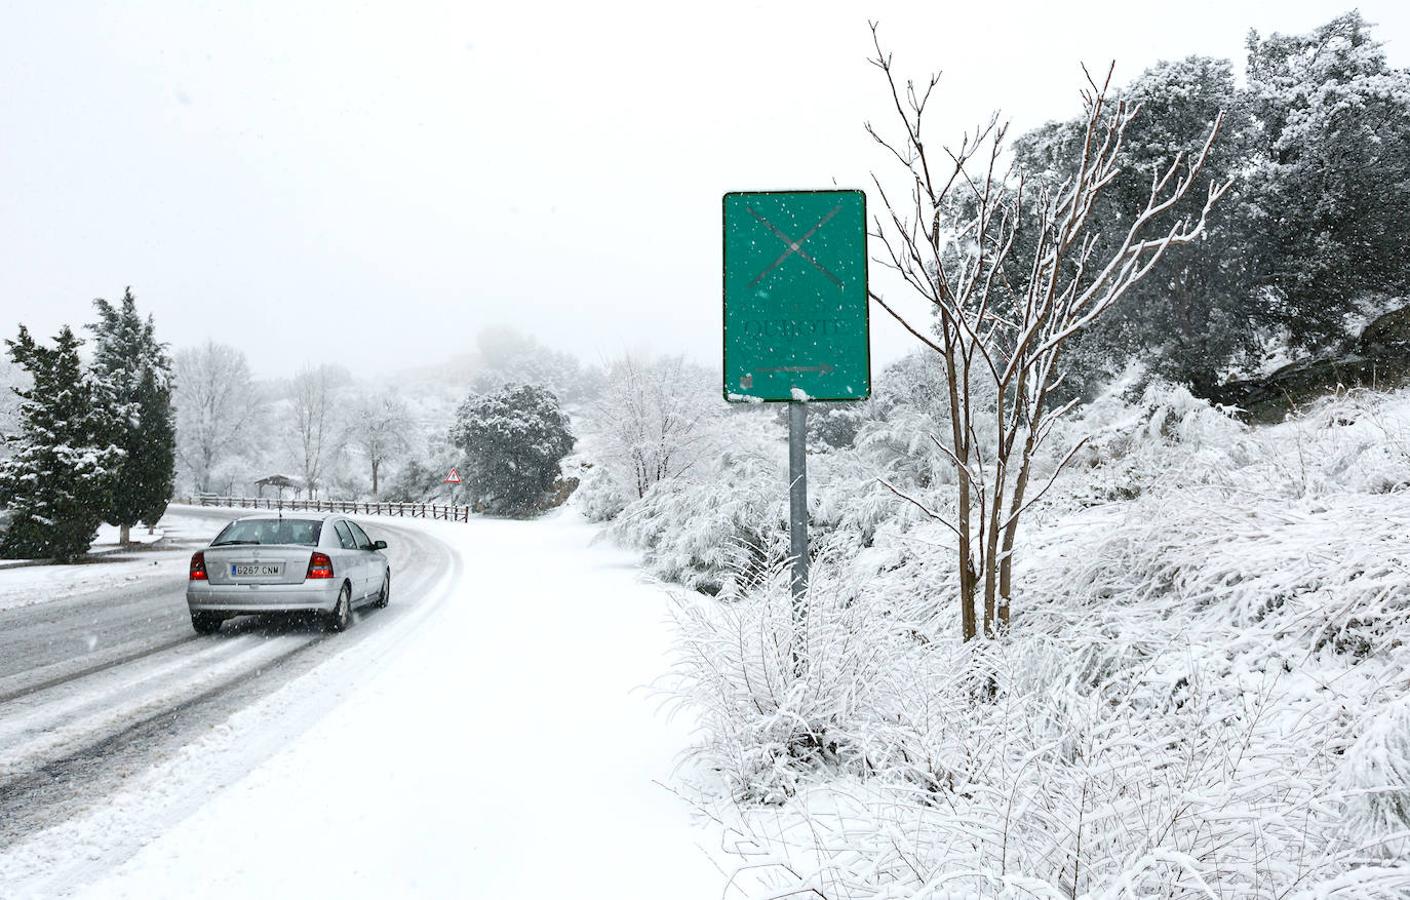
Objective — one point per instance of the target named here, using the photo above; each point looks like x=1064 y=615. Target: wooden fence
x=351 y=507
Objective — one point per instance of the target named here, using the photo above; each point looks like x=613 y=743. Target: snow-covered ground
x=23 y=583
x=1205 y=691
x=28 y=585
x=498 y=744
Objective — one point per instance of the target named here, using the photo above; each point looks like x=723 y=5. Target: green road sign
x=796 y=296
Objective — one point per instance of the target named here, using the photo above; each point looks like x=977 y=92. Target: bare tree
x=648 y=418
x=314 y=434
x=999 y=315
x=381 y=431
x=216 y=404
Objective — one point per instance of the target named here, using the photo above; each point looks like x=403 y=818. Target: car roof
x=293 y=514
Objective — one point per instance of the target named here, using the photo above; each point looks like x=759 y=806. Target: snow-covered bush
x=778 y=695
x=1202 y=693
x=702 y=531
x=598 y=497
x=1375 y=774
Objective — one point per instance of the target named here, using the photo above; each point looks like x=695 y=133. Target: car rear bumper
x=316 y=595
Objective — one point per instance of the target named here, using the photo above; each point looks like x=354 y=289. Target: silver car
x=272 y=563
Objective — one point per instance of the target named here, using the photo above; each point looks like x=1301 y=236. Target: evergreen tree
x=514 y=442
x=58 y=482
x=1196 y=313
x=137 y=374
x=156 y=470
x=1331 y=179
x=1312 y=232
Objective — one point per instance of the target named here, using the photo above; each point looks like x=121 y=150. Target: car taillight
x=198 y=566
x=319 y=566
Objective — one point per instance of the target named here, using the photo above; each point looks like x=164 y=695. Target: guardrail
x=351 y=507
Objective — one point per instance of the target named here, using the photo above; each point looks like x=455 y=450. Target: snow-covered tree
x=217 y=404
x=381 y=430
x=648 y=420
x=313 y=421
x=514 y=441
x=1198 y=312
x=952 y=234
x=1308 y=237
x=134 y=366
x=1332 y=176
x=59 y=479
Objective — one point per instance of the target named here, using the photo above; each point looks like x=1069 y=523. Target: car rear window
x=304 y=532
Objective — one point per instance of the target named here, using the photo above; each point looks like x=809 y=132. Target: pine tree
x=59 y=480
x=136 y=371
x=156 y=468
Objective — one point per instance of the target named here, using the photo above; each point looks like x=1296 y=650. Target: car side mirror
x=379 y=545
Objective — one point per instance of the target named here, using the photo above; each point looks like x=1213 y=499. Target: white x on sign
x=795 y=246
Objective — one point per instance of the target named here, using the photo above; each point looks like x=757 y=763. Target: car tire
x=340 y=619
x=205 y=623
x=386 y=596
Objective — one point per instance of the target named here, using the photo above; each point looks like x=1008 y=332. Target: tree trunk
x=1011 y=528
x=125 y=535
x=376 y=464
x=969 y=582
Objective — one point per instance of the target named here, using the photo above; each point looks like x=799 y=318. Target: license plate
x=245 y=570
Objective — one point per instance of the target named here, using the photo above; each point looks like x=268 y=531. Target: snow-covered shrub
x=778 y=694
x=1375 y=774
x=598 y=496
x=415 y=482
x=701 y=531
x=1201 y=694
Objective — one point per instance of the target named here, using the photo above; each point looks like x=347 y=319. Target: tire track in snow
x=51 y=729
x=46 y=788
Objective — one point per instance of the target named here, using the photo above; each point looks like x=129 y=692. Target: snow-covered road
x=101 y=675
x=496 y=743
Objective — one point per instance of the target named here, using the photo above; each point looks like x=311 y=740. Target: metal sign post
x=452 y=479
x=796 y=324
x=798 y=500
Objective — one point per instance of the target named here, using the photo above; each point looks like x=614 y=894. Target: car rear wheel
x=386 y=596
x=341 y=616
x=205 y=623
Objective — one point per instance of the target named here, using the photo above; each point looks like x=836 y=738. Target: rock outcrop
x=1379 y=358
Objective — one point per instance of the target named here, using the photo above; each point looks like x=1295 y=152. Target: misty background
x=373 y=185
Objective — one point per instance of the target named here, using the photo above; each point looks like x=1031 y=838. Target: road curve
x=96 y=687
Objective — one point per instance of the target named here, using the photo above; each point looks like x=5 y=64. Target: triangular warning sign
x=453 y=477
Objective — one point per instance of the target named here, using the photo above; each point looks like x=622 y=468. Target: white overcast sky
x=375 y=182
